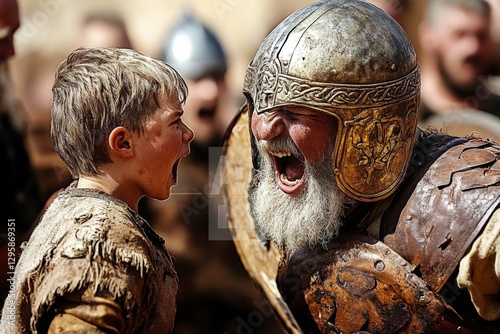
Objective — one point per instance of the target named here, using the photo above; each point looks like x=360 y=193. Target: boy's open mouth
x=175 y=168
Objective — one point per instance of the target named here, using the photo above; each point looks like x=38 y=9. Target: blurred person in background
x=101 y=29
x=35 y=93
x=458 y=57
x=196 y=52
x=20 y=199
x=495 y=35
x=215 y=293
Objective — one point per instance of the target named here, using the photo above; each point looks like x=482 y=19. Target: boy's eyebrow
x=178 y=113
x=175 y=112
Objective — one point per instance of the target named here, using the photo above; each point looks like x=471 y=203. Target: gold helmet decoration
x=350 y=60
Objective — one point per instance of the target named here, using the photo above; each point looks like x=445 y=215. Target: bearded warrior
x=348 y=216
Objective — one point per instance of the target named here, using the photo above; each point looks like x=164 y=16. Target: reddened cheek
x=254 y=125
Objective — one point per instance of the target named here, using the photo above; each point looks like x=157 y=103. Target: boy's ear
x=120 y=142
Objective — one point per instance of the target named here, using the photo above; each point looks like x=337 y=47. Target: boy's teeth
x=287 y=182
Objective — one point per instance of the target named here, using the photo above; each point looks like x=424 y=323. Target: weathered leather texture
x=447 y=210
x=360 y=284
x=90 y=242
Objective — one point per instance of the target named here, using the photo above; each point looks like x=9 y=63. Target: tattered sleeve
x=86 y=312
x=479 y=270
x=97 y=282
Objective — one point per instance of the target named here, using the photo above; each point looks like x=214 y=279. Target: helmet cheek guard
x=351 y=60
x=374 y=148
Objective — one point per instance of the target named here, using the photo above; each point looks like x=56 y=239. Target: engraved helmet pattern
x=351 y=60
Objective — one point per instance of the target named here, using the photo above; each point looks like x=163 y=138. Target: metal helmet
x=194 y=50
x=351 y=60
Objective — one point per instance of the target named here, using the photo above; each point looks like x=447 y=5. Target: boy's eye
x=177 y=121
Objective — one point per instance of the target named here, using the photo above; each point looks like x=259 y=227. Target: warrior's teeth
x=282 y=154
x=287 y=182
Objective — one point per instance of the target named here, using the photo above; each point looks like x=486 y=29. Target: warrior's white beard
x=310 y=218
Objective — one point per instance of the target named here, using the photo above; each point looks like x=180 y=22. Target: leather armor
x=424 y=197
x=361 y=284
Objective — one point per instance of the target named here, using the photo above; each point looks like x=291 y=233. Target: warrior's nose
x=270 y=125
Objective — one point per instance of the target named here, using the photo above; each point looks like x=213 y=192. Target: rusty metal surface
x=360 y=284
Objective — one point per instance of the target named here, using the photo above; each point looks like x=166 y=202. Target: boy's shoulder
x=88 y=240
x=83 y=223
x=94 y=217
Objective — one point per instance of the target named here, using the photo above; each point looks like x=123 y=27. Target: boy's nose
x=188 y=135
x=271 y=126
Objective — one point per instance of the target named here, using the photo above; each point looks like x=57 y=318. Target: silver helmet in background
x=194 y=50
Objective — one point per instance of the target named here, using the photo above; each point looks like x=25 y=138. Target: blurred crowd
x=457 y=42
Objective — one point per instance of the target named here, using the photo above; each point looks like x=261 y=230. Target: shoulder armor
x=448 y=209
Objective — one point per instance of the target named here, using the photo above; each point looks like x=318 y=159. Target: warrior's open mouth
x=289 y=171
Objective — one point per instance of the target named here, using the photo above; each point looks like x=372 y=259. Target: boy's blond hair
x=98 y=89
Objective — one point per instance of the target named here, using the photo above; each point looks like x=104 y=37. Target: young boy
x=93 y=265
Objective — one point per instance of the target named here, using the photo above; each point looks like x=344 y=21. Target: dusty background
x=52 y=26
x=50 y=30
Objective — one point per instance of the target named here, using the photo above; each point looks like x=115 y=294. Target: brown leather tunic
x=91 y=249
